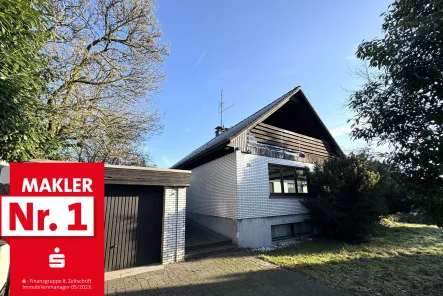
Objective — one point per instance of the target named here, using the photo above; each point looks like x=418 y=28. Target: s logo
x=57 y=260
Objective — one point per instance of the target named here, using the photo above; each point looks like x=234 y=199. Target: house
x=248 y=182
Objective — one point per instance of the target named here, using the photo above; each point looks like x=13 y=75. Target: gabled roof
x=254 y=119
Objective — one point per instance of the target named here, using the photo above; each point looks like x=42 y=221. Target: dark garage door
x=133 y=225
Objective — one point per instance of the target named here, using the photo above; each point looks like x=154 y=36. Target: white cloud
x=200 y=59
x=167 y=161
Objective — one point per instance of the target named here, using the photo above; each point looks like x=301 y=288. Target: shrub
x=416 y=216
x=394 y=187
x=346 y=203
x=387 y=221
x=431 y=202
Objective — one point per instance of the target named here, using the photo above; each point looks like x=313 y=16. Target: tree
x=23 y=76
x=394 y=187
x=345 y=201
x=403 y=106
x=107 y=58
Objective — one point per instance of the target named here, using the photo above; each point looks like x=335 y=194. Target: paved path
x=230 y=274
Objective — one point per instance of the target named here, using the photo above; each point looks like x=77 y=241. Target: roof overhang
x=129 y=175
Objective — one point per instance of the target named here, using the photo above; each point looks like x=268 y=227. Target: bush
x=395 y=188
x=431 y=203
x=346 y=203
x=416 y=216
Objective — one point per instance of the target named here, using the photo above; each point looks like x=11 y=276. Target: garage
x=144 y=216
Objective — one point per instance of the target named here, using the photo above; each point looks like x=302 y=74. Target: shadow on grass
x=399 y=261
x=401 y=275
x=389 y=239
x=398 y=275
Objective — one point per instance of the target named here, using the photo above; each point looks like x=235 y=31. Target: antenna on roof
x=222 y=109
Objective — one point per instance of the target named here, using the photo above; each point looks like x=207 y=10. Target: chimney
x=219 y=130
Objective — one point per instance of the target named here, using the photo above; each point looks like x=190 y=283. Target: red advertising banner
x=53 y=221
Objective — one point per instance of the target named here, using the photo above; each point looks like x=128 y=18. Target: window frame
x=284 y=194
x=293 y=234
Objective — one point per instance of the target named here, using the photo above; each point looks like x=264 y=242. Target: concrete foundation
x=246 y=233
x=256 y=232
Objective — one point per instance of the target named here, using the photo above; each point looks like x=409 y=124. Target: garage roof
x=132 y=175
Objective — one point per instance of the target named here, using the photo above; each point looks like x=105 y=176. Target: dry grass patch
x=406 y=259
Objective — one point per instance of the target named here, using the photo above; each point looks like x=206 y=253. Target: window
x=288 y=176
x=302 y=182
x=283 y=231
x=274 y=180
x=287 y=180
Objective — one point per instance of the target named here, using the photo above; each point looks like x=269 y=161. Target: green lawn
x=406 y=259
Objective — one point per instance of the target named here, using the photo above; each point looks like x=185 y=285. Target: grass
x=406 y=259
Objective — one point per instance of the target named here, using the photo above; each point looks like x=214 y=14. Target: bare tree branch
x=108 y=60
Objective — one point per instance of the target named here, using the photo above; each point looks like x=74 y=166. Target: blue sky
x=256 y=51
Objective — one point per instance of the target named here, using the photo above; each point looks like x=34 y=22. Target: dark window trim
x=288 y=195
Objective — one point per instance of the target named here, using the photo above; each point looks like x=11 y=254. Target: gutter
x=204 y=153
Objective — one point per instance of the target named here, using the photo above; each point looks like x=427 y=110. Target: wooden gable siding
x=271 y=135
x=240 y=142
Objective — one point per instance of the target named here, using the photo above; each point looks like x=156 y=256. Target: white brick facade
x=253 y=188
x=213 y=189
x=236 y=186
x=174 y=225
x=230 y=195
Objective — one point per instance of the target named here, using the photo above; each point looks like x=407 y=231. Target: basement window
x=285 y=231
x=287 y=181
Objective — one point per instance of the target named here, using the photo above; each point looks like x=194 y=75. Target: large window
x=285 y=180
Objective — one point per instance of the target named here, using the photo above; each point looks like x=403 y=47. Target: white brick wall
x=253 y=188
x=174 y=225
x=236 y=186
x=213 y=189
